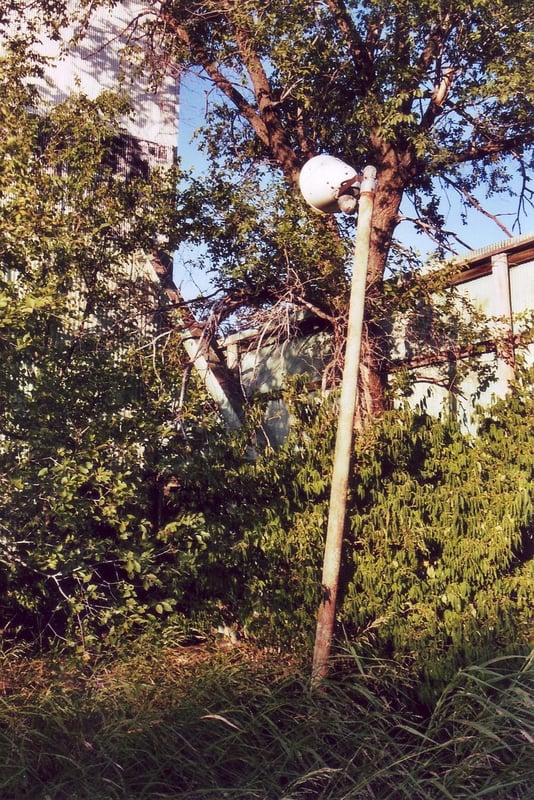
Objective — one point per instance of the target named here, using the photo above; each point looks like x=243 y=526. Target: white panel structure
x=108 y=55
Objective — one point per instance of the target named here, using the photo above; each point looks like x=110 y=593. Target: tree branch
x=264 y=120
x=439 y=97
x=358 y=49
x=431 y=231
x=496 y=146
x=476 y=204
x=276 y=137
x=203 y=59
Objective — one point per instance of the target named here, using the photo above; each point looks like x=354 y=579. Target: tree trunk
x=374 y=361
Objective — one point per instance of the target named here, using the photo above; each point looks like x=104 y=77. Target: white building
x=497 y=281
x=107 y=53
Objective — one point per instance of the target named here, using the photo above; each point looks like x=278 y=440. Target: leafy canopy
x=436 y=95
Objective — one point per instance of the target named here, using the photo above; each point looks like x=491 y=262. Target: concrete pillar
x=503 y=311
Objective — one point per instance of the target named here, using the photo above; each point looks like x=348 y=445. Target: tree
x=233 y=534
x=434 y=94
x=89 y=416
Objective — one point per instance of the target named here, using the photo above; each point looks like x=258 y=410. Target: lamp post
x=334 y=196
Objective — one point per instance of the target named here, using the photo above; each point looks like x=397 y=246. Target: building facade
x=106 y=52
x=497 y=282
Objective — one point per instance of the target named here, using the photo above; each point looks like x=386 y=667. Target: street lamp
x=331 y=186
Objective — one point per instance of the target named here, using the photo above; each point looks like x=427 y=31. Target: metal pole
x=343 y=445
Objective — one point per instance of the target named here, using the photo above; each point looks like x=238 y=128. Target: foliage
x=437 y=567
x=87 y=389
x=439 y=559
x=178 y=722
x=256 y=235
x=124 y=504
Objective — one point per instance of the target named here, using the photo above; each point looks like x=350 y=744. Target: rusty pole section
x=343 y=445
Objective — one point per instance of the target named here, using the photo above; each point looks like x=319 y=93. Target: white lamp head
x=329 y=185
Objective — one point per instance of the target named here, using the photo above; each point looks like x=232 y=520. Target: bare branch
x=491 y=147
x=430 y=231
x=477 y=205
x=526 y=193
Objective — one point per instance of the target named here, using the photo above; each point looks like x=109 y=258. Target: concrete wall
x=265 y=364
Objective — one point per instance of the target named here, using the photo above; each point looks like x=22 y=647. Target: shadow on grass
x=206 y=724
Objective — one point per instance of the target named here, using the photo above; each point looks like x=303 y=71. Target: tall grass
x=200 y=723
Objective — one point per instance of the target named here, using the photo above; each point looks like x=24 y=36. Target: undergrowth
x=202 y=722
